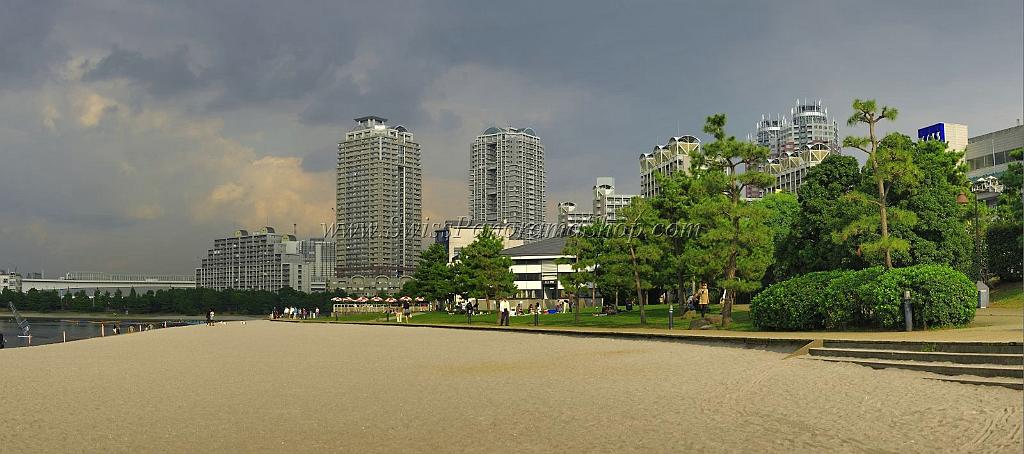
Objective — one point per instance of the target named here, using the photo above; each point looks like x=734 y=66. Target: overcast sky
x=133 y=133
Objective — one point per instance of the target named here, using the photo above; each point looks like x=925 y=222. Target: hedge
x=870 y=298
x=793 y=304
x=1005 y=258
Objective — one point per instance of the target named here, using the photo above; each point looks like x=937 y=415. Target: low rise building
x=988 y=156
x=607 y=202
x=571 y=219
x=537 y=267
x=10 y=281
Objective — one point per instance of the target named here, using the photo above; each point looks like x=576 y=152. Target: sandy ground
x=283 y=387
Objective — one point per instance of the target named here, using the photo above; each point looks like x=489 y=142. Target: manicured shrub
x=869 y=298
x=792 y=305
x=842 y=304
x=940 y=294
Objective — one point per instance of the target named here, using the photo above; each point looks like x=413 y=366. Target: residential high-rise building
x=379 y=201
x=606 y=202
x=795 y=145
x=570 y=220
x=262 y=260
x=507 y=183
x=320 y=256
x=10 y=280
x=666 y=160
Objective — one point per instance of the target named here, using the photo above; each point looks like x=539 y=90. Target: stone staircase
x=979 y=363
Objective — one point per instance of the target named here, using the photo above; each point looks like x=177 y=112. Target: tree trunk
x=639 y=291
x=682 y=294
x=884 y=216
x=593 y=293
x=576 y=309
x=730 y=274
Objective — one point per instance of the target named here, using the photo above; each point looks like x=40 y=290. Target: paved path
x=288 y=387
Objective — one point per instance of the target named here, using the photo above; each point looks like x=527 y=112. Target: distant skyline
x=134 y=133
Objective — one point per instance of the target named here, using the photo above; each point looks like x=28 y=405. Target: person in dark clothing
x=504 y=317
x=3 y=342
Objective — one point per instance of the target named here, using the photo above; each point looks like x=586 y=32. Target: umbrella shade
x=406 y=298
x=391 y=300
x=347 y=299
x=362 y=299
x=420 y=298
x=337 y=299
x=377 y=299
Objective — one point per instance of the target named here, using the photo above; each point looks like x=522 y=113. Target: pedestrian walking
x=504 y=317
x=406 y=311
x=703 y=299
x=3 y=342
x=209 y=317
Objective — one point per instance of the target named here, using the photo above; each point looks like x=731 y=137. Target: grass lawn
x=1009 y=295
x=657 y=318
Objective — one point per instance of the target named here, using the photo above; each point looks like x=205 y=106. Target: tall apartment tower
x=666 y=160
x=379 y=201
x=507 y=183
x=796 y=144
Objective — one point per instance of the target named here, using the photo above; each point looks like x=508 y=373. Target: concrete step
x=1010 y=348
x=905 y=355
x=978 y=370
x=1011 y=383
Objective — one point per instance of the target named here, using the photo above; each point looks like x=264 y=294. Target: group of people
x=299 y=313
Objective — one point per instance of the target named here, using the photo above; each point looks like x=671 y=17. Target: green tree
x=487 y=272
x=434 y=277
x=734 y=245
x=783 y=210
x=886 y=164
x=632 y=241
x=823 y=210
x=1011 y=201
x=586 y=248
x=672 y=205
x=890 y=167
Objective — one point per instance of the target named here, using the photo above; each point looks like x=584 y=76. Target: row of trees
x=899 y=209
x=192 y=301
x=481 y=272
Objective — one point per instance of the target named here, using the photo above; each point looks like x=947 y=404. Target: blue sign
x=936 y=131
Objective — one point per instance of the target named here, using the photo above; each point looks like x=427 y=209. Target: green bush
x=870 y=298
x=940 y=294
x=843 y=306
x=792 y=305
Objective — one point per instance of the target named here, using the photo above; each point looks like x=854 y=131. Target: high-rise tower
x=379 y=201
x=507 y=183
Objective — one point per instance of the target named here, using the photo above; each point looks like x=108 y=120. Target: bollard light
x=907 y=315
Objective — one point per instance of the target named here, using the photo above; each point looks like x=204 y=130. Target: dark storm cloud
x=600 y=81
x=26 y=50
x=162 y=75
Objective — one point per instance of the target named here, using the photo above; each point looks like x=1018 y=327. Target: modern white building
x=666 y=160
x=457 y=234
x=954 y=134
x=261 y=260
x=988 y=157
x=507 y=180
x=379 y=201
x=537 y=269
x=10 y=280
x=795 y=144
x=607 y=202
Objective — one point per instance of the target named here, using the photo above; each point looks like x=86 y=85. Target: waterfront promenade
x=268 y=386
